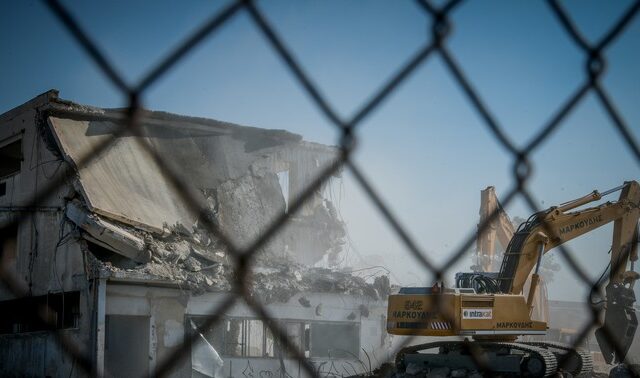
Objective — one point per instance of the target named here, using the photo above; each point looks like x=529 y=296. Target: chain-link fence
x=436 y=44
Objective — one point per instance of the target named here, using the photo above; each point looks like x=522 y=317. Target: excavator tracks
x=575 y=361
x=504 y=358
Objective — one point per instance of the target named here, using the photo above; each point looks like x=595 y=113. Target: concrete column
x=100 y=326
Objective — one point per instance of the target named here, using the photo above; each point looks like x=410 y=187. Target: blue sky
x=425 y=149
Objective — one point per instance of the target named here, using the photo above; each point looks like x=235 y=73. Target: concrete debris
x=255 y=194
x=107 y=234
x=304 y=302
x=245 y=206
x=194 y=260
x=232 y=172
x=180 y=229
x=192 y=264
x=235 y=176
x=364 y=310
x=218 y=257
x=382 y=285
x=277 y=280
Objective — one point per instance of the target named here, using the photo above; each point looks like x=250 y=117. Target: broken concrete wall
x=228 y=169
x=314 y=231
x=47 y=260
x=42 y=263
x=256 y=193
x=21 y=124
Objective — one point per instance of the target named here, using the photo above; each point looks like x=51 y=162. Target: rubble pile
x=277 y=280
x=249 y=186
x=243 y=207
x=198 y=262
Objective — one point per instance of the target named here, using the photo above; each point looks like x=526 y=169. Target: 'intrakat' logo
x=477 y=313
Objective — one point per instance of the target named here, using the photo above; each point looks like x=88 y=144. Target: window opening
x=336 y=340
x=242 y=337
x=24 y=314
x=10 y=159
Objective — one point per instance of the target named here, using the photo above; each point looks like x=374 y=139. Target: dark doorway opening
x=126 y=349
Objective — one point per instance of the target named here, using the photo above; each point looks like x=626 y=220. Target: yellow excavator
x=493 y=310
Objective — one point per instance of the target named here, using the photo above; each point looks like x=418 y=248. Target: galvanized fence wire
x=435 y=43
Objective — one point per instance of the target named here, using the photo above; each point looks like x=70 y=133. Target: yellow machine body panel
x=460 y=314
x=424 y=315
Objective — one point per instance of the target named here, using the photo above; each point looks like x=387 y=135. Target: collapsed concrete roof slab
x=107 y=234
x=240 y=178
x=124 y=183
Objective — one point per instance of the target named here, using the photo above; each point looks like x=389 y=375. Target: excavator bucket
x=620 y=324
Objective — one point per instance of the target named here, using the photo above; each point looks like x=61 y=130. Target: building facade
x=119 y=257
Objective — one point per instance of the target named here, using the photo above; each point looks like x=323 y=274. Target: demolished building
x=128 y=268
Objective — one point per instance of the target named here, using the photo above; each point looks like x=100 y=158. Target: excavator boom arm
x=555 y=227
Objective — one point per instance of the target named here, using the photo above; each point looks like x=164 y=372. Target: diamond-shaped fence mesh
x=436 y=39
